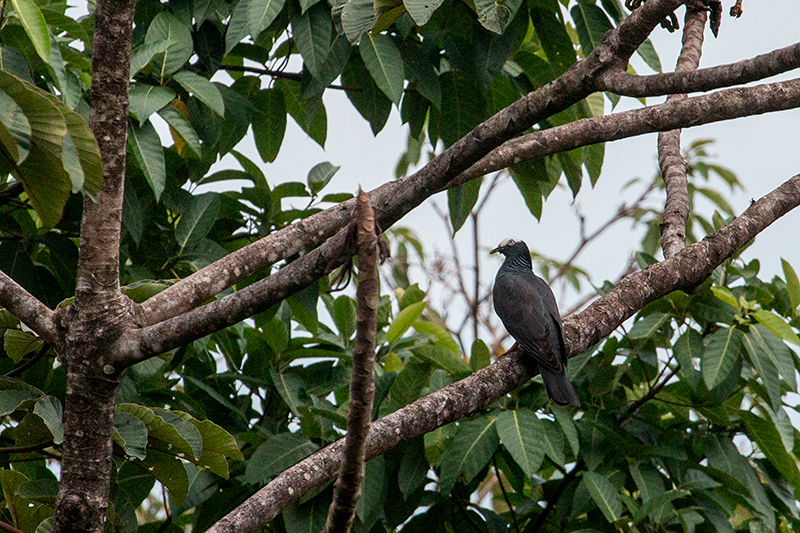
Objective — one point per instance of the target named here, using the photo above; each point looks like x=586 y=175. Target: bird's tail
x=559 y=387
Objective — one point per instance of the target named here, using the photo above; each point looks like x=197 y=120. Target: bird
x=527 y=307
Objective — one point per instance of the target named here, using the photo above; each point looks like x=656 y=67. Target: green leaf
x=196 y=221
x=384 y=63
x=767 y=343
x=413 y=470
x=344 y=316
x=131 y=434
x=443 y=338
x=276 y=455
x=163 y=434
x=792 y=283
x=369 y=100
x=769 y=442
x=461 y=200
x=312 y=36
x=18 y=141
x=757 y=350
x=50 y=411
x=480 y=356
x=147 y=99
x=358 y=17
x=269 y=127
x=145 y=144
x=320 y=175
x=202 y=89
x=443 y=358
x=27 y=513
x=261 y=13
x=168 y=28
x=605 y=496
x=648 y=326
x=421 y=10
x=496 y=15
x=648 y=53
x=723 y=349
x=687 y=348
x=182 y=127
x=11 y=400
x=35 y=26
x=462 y=107
x=776 y=325
x=519 y=431
x=470 y=450
x=591 y=23
x=725 y=294
x=17 y=344
x=403 y=320
x=144 y=53
x=551 y=439
x=526 y=176
x=168 y=470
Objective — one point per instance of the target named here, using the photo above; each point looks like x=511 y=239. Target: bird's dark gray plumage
x=527 y=307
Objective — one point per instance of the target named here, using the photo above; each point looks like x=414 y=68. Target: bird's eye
x=510 y=242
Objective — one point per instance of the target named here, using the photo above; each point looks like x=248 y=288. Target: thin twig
x=505 y=494
x=24 y=449
x=29 y=363
x=3 y=525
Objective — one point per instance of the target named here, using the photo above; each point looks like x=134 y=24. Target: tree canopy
x=175 y=359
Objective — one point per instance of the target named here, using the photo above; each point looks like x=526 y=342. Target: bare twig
x=672 y=164
x=28 y=448
x=362 y=387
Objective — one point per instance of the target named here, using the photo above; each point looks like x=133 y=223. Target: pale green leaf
x=495 y=15
x=276 y=455
x=725 y=294
x=443 y=358
x=147 y=99
x=767 y=343
x=648 y=326
x=519 y=432
x=722 y=351
x=320 y=175
x=196 y=221
x=131 y=434
x=480 y=356
x=17 y=344
x=421 y=10
x=792 y=283
x=776 y=325
x=50 y=411
x=261 y=13
x=470 y=450
x=312 y=36
x=763 y=364
x=145 y=144
x=35 y=26
x=182 y=127
x=769 y=442
x=358 y=17
x=384 y=63
x=403 y=320
x=605 y=496
x=443 y=338
x=202 y=89
x=168 y=28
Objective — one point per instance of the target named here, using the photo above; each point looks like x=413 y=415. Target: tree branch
x=27 y=308
x=684 y=270
x=695 y=111
x=399 y=197
x=362 y=383
x=12 y=191
x=706 y=79
x=670 y=160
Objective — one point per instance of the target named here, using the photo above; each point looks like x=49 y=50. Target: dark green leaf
x=723 y=349
x=461 y=200
x=470 y=450
x=276 y=455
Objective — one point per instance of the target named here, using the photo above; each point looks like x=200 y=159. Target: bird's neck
x=518 y=263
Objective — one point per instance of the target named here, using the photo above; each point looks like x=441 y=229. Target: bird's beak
x=495 y=250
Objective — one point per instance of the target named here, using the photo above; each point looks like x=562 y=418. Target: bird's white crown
x=506 y=242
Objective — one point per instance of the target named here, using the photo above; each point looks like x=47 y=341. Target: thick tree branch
x=670 y=160
x=695 y=111
x=138 y=345
x=706 y=79
x=27 y=308
x=347 y=489
x=401 y=196
x=685 y=270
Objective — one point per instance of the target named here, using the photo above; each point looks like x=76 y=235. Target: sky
x=763 y=151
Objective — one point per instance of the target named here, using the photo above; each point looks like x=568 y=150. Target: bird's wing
x=526 y=318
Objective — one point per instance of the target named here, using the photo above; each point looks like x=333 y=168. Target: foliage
x=653 y=447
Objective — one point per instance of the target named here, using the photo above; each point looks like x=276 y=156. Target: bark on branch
x=694 y=111
x=670 y=160
x=685 y=270
x=362 y=385
x=27 y=308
